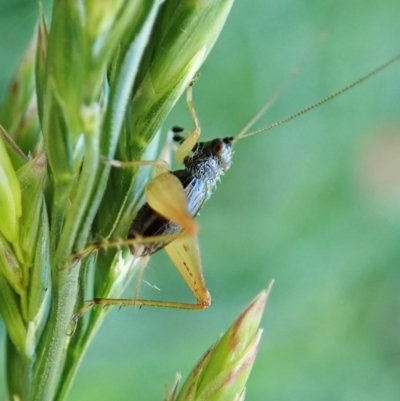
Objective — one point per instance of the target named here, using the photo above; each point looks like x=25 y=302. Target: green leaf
x=11 y=315
x=10 y=197
x=18 y=113
x=31 y=179
x=223 y=370
x=40 y=65
x=39 y=281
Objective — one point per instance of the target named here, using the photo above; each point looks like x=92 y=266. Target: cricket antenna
x=280 y=90
x=269 y=103
x=243 y=133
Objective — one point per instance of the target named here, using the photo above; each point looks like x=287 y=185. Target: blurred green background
x=313 y=204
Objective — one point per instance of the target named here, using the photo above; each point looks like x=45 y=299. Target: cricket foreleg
x=161 y=165
x=189 y=143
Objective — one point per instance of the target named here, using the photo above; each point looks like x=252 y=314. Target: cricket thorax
x=209 y=160
x=203 y=168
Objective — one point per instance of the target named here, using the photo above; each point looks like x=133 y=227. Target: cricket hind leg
x=199 y=305
x=129 y=302
x=185 y=255
x=191 y=269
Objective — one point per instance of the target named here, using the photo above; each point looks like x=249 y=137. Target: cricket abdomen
x=148 y=223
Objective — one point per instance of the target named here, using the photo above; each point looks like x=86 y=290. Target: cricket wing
x=184 y=253
x=166 y=196
x=195 y=190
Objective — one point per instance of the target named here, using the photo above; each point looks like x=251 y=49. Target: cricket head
x=211 y=158
x=219 y=150
x=208 y=160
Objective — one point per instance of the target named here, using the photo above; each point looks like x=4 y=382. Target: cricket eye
x=218 y=147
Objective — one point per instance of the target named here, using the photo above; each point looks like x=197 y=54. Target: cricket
x=174 y=198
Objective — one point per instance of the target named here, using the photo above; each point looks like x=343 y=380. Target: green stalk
x=105 y=76
x=80 y=204
x=53 y=345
